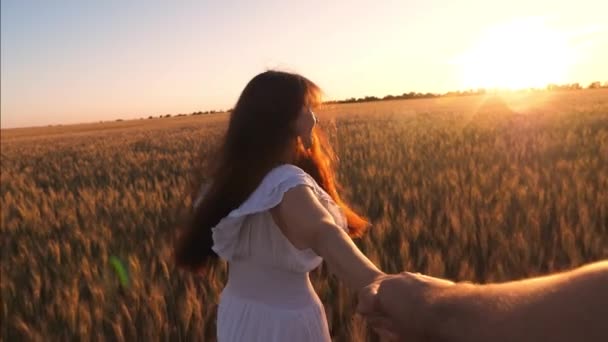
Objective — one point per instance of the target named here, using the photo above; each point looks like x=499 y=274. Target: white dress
x=269 y=296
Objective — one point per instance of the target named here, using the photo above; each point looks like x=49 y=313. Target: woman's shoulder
x=271 y=189
x=278 y=180
x=287 y=170
x=286 y=174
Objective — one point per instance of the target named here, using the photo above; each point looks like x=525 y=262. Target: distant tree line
x=414 y=95
x=162 y=116
x=404 y=96
x=577 y=86
x=480 y=91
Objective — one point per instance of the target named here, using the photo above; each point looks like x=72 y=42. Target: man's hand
x=399 y=306
x=566 y=306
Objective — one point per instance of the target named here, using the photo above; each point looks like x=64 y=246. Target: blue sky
x=68 y=61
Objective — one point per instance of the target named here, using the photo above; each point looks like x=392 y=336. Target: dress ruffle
x=268 y=195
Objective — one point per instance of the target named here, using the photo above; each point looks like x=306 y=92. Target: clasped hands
x=400 y=306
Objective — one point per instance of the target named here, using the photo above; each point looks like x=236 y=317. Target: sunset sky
x=86 y=61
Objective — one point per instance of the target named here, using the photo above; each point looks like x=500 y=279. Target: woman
x=273 y=213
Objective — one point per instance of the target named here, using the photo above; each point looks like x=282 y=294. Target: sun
x=520 y=54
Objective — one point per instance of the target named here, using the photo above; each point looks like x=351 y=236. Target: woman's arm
x=307 y=224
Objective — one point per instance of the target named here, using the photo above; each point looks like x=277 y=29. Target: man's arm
x=568 y=306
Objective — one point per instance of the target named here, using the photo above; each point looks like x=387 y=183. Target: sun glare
x=521 y=54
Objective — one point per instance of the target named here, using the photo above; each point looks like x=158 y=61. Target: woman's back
x=269 y=296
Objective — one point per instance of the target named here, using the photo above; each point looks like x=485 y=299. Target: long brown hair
x=260 y=131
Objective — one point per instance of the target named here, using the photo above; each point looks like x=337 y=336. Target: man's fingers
x=387 y=335
x=426 y=278
x=385 y=327
x=368 y=300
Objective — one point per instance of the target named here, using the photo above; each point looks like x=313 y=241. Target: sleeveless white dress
x=269 y=296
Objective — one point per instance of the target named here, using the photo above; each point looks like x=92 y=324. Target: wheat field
x=477 y=188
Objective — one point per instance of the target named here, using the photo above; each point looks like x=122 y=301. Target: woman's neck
x=290 y=154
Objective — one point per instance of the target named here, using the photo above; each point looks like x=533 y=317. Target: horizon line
x=404 y=96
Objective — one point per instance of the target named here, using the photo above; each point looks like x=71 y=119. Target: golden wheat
x=471 y=188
